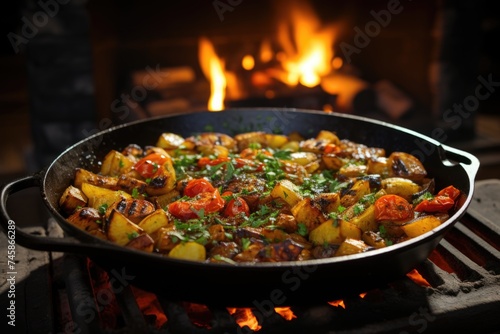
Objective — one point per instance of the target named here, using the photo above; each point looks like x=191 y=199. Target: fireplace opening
x=344 y=57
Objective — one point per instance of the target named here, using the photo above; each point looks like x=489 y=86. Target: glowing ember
x=199 y=314
x=285 y=312
x=415 y=276
x=149 y=305
x=337 y=303
x=245 y=317
x=307 y=46
x=362 y=295
x=213 y=69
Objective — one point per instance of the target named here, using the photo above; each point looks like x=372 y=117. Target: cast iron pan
x=262 y=284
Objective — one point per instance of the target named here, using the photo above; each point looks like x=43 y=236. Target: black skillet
x=262 y=284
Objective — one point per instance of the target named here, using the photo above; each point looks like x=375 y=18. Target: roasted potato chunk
x=71 y=199
x=121 y=230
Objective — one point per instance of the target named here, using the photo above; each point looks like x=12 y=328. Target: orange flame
x=337 y=303
x=415 y=276
x=307 y=46
x=213 y=69
x=285 y=312
x=245 y=317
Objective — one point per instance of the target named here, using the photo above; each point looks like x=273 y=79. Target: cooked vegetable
x=393 y=208
x=71 y=199
x=189 y=251
x=121 y=230
x=420 y=226
x=256 y=197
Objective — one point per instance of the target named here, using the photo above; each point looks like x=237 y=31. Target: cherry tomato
x=392 y=207
x=449 y=191
x=439 y=203
x=204 y=161
x=210 y=202
x=235 y=206
x=332 y=148
x=148 y=166
x=198 y=186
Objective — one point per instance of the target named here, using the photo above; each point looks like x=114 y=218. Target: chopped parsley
x=425 y=196
x=302 y=229
x=132 y=235
x=102 y=208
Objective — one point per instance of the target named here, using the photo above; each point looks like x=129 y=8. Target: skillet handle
x=451 y=156
x=27 y=240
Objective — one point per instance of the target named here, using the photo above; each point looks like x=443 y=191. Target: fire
x=415 y=276
x=307 y=46
x=245 y=317
x=285 y=312
x=213 y=69
x=301 y=52
x=337 y=303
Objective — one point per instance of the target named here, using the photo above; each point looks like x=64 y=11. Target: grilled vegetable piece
x=327 y=202
x=334 y=232
x=154 y=221
x=71 y=199
x=373 y=239
x=86 y=176
x=407 y=166
x=165 y=239
x=99 y=197
x=131 y=185
x=208 y=139
x=351 y=246
x=332 y=161
x=143 y=242
x=359 y=189
x=303 y=158
x=401 y=187
x=134 y=209
x=189 y=251
x=116 y=163
x=244 y=140
x=420 y=225
x=286 y=250
x=120 y=229
x=275 y=140
x=364 y=219
x=352 y=170
x=169 y=141
x=287 y=191
x=377 y=165
x=329 y=136
x=308 y=213
x=89 y=220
